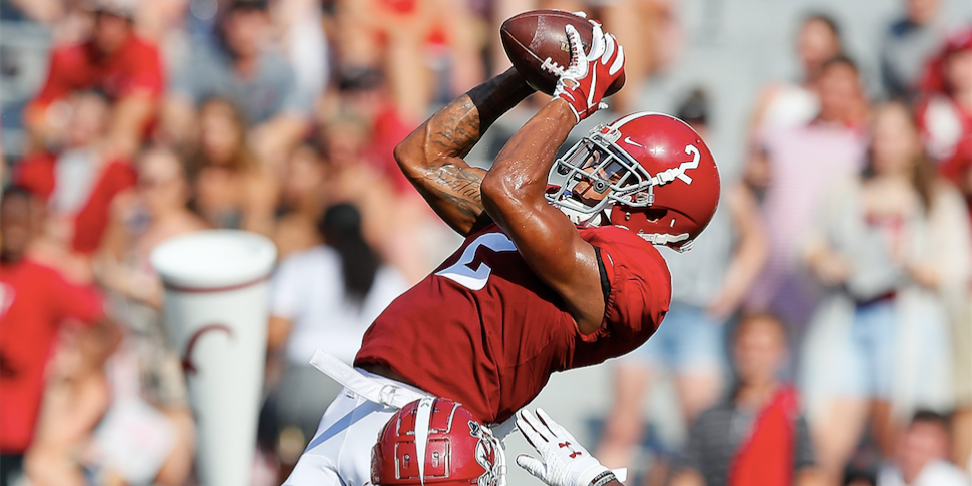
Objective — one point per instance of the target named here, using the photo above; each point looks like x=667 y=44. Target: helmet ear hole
x=654 y=215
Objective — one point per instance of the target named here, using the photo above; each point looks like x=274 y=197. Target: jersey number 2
x=462 y=273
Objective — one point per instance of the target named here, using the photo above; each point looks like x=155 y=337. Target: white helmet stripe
x=621 y=121
x=626 y=119
x=423 y=418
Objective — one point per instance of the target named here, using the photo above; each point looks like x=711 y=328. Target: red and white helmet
x=436 y=441
x=650 y=173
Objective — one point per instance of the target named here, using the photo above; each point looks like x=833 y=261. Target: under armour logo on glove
x=573 y=454
x=589 y=75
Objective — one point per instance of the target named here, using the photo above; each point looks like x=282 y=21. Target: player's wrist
x=565 y=102
x=597 y=476
x=498 y=95
x=570 y=92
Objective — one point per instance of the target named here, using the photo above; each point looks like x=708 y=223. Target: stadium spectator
x=158 y=212
x=303 y=198
x=795 y=103
x=803 y=162
x=887 y=244
x=363 y=96
x=945 y=117
x=80 y=185
x=945 y=110
x=429 y=49
x=324 y=297
x=791 y=103
x=756 y=435
x=112 y=60
x=231 y=190
x=922 y=456
x=908 y=43
x=242 y=69
x=959 y=171
x=36 y=302
x=708 y=285
x=400 y=227
x=145 y=378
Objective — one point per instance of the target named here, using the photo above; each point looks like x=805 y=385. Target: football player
x=549 y=277
x=437 y=442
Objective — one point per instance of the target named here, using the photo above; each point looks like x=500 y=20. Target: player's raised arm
x=431 y=156
x=513 y=190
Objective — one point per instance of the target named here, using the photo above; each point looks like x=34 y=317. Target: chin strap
x=665 y=239
x=579 y=218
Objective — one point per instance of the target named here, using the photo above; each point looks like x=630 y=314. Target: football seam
x=525 y=48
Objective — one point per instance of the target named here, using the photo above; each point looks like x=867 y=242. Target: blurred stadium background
x=128 y=122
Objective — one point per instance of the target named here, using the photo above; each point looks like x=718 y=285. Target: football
x=536 y=43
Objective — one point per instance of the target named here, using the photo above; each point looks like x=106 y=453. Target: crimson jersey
x=485 y=331
x=136 y=69
x=39 y=176
x=34 y=301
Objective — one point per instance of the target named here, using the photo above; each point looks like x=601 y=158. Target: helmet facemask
x=596 y=174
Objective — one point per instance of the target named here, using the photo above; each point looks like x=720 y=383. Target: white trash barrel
x=216 y=309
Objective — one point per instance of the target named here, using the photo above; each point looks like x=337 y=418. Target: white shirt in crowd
x=938 y=473
x=308 y=289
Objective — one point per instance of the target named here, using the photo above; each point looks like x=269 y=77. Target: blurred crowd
x=820 y=330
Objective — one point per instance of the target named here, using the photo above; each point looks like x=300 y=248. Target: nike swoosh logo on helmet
x=632 y=142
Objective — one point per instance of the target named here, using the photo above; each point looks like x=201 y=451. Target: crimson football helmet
x=650 y=173
x=436 y=441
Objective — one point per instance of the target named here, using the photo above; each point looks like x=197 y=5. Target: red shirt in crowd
x=485 y=331
x=38 y=175
x=135 y=69
x=34 y=301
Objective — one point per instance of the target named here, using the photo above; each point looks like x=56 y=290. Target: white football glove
x=565 y=462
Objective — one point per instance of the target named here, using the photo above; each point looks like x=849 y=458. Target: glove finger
x=576 y=45
x=532 y=465
x=618 y=61
x=598 y=43
x=550 y=423
x=601 y=106
x=539 y=426
x=528 y=424
x=595 y=23
x=609 y=45
x=580 y=13
x=556 y=428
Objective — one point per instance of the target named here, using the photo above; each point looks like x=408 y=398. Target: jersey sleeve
x=36 y=174
x=146 y=76
x=640 y=289
x=639 y=295
x=71 y=301
x=58 y=83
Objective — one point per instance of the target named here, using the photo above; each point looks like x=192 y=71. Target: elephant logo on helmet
x=489 y=455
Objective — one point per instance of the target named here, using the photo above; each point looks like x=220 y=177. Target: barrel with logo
x=216 y=308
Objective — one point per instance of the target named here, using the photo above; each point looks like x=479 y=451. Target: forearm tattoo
x=458 y=126
x=455 y=128
x=459 y=186
x=452 y=190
